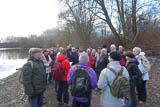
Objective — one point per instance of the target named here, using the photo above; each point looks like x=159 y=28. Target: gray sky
x=24 y=17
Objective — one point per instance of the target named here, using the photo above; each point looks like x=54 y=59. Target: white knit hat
x=84 y=57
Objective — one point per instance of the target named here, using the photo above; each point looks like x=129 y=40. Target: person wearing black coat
x=134 y=74
x=74 y=57
x=102 y=62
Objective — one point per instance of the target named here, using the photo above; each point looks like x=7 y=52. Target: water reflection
x=10 y=59
x=13 y=54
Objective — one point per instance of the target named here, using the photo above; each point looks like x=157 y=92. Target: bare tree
x=80 y=20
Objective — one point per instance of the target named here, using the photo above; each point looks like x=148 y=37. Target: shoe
x=66 y=105
x=140 y=102
x=60 y=104
x=44 y=103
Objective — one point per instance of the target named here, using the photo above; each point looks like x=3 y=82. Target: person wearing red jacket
x=63 y=86
x=91 y=58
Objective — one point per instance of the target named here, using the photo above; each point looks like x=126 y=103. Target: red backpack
x=57 y=71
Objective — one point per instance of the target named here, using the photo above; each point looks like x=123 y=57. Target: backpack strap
x=116 y=74
x=31 y=64
x=113 y=70
x=119 y=73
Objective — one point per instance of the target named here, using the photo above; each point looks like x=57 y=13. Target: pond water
x=10 y=59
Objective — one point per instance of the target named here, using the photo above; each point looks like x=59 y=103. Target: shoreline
x=12 y=93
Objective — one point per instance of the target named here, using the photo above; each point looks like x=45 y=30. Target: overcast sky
x=24 y=17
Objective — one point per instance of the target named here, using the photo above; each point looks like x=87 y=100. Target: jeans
x=142 y=92
x=63 y=91
x=79 y=104
x=36 y=101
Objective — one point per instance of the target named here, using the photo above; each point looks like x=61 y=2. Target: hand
x=32 y=96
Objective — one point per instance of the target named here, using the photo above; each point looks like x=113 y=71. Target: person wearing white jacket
x=107 y=77
x=47 y=60
x=144 y=68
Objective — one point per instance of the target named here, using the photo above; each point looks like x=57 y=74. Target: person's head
x=129 y=55
x=114 y=56
x=69 y=46
x=51 y=53
x=93 y=52
x=84 y=57
x=35 y=52
x=77 y=49
x=45 y=52
x=73 y=49
x=61 y=49
x=103 y=52
x=121 y=49
x=104 y=46
x=99 y=49
x=64 y=52
x=136 y=51
x=113 y=47
x=89 y=50
x=81 y=49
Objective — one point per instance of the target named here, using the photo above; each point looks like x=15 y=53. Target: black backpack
x=80 y=83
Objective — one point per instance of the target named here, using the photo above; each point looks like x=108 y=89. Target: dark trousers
x=79 y=104
x=49 y=77
x=56 y=85
x=63 y=91
x=142 y=92
x=133 y=95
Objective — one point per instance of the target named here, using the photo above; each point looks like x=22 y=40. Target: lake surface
x=10 y=59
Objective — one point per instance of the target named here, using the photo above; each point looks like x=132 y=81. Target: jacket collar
x=32 y=58
x=83 y=64
x=114 y=63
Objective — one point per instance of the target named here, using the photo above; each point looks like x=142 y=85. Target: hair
x=113 y=46
x=120 y=46
x=88 y=50
x=137 y=49
x=104 y=50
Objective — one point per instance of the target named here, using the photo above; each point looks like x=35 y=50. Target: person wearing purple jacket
x=83 y=63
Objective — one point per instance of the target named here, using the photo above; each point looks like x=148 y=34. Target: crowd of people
x=83 y=70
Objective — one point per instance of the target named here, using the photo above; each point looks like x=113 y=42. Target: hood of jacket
x=61 y=57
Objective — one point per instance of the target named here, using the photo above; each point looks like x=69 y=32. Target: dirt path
x=12 y=95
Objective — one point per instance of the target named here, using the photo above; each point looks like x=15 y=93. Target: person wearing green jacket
x=34 y=78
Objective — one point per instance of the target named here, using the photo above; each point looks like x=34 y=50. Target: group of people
x=84 y=70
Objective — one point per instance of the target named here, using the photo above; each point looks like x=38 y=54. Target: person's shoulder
x=27 y=63
x=106 y=71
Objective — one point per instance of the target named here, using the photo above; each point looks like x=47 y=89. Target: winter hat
x=32 y=51
x=45 y=50
x=84 y=57
x=104 y=46
x=130 y=54
x=115 y=56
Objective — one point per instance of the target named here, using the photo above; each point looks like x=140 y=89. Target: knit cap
x=115 y=56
